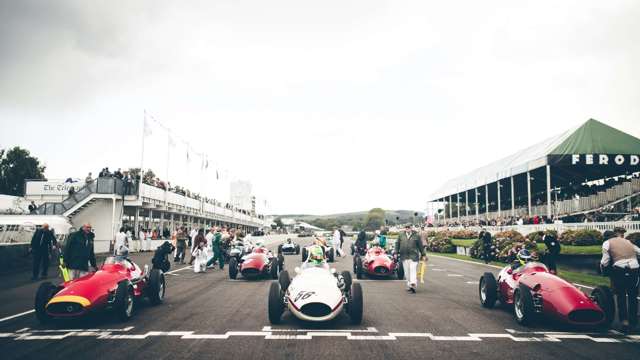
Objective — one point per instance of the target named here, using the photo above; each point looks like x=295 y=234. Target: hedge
x=504 y=246
x=440 y=242
x=581 y=237
x=537 y=236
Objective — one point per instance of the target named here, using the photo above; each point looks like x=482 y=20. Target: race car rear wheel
x=523 y=310
x=304 y=254
x=284 y=280
x=233 y=268
x=276 y=305
x=488 y=290
x=273 y=268
x=123 y=304
x=400 y=271
x=346 y=276
x=603 y=297
x=45 y=292
x=156 y=288
x=280 y=262
x=359 y=269
x=297 y=249
x=332 y=255
x=356 y=305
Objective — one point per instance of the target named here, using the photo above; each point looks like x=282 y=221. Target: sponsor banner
x=591 y=160
x=51 y=187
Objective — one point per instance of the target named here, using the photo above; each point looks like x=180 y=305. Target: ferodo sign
x=586 y=160
x=52 y=187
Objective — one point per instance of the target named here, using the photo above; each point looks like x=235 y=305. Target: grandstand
x=588 y=173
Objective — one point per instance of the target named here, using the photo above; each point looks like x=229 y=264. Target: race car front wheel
x=304 y=254
x=523 y=310
x=273 y=269
x=284 y=279
x=233 y=268
x=156 y=287
x=400 y=271
x=603 y=297
x=359 y=270
x=356 y=305
x=123 y=304
x=488 y=290
x=45 y=292
x=276 y=305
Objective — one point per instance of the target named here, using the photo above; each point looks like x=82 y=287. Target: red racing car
x=260 y=263
x=535 y=293
x=377 y=263
x=115 y=286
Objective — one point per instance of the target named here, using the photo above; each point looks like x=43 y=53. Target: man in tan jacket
x=620 y=256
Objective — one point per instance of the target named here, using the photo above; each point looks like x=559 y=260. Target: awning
x=590 y=144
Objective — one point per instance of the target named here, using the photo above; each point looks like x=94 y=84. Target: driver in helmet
x=315 y=257
x=522 y=257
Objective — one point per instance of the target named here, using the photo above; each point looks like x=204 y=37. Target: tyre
x=45 y=292
x=233 y=268
x=400 y=271
x=603 y=297
x=276 y=305
x=156 y=287
x=347 y=279
x=488 y=290
x=332 y=255
x=304 y=254
x=123 y=303
x=523 y=310
x=280 y=262
x=297 y=249
x=356 y=305
x=279 y=249
x=284 y=280
x=273 y=269
x=359 y=269
x=354 y=265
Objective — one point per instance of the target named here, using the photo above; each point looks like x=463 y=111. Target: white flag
x=147 y=128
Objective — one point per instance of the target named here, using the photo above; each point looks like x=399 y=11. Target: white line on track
x=455 y=275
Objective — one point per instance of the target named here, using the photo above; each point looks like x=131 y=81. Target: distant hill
x=354 y=219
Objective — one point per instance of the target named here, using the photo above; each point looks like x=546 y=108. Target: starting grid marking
x=269 y=333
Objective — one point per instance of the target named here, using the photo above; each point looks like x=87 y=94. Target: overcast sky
x=325 y=106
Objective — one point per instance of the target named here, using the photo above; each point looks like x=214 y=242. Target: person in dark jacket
x=361 y=243
x=409 y=250
x=553 y=250
x=42 y=244
x=78 y=252
x=485 y=237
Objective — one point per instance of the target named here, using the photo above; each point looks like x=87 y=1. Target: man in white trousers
x=410 y=250
x=142 y=235
x=336 y=242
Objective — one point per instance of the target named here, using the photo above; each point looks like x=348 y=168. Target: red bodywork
x=553 y=297
x=256 y=264
x=96 y=290
x=378 y=263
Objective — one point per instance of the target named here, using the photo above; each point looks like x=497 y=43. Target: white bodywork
x=314 y=285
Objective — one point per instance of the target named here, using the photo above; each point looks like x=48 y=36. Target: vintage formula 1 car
x=377 y=263
x=535 y=293
x=259 y=263
x=117 y=284
x=316 y=294
x=289 y=247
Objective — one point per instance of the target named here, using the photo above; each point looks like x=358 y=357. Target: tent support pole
x=466 y=203
x=548 y=191
x=486 y=201
x=477 y=206
x=458 y=206
x=513 y=199
x=529 y=192
x=499 y=200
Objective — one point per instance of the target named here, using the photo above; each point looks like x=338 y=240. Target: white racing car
x=316 y=294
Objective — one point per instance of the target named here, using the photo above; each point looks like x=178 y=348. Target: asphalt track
x=210 y=316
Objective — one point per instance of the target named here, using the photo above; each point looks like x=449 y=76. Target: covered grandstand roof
x=592 y=137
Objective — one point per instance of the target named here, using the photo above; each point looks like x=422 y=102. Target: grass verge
x=566 y=249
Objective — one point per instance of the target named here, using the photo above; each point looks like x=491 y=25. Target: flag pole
x=144 y=126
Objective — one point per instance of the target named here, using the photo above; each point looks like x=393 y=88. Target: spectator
x=78 y=252
x=142 y=236
x=33 y=209
x=72 y=190
x=121 y=243
x=88 y=179
x=42 y=244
